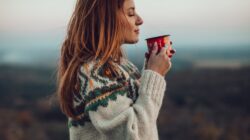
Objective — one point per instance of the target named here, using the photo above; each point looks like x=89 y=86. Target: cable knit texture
x=122 y=108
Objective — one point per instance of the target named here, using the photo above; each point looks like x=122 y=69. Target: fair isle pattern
x=97 y=90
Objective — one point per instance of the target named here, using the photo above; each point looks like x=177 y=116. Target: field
x=200 y=103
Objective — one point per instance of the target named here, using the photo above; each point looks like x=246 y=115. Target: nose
x=139 y=20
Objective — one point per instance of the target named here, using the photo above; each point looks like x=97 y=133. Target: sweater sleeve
x=114 y=114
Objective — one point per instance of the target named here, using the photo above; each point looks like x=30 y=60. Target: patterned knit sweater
x=124 y=108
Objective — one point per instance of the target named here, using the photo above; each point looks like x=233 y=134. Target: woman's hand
x=159 y=62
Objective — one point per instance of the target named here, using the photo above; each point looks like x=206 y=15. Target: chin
x=132 y=41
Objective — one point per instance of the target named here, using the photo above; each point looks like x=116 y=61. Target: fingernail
x=172 y=51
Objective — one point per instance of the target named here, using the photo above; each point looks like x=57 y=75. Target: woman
x=101 y=92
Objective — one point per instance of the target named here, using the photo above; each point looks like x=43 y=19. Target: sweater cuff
x=153 y=84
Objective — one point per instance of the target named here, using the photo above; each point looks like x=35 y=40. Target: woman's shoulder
x=94 y=65
x=131 y=68
x=88 y=66
x=110 y=71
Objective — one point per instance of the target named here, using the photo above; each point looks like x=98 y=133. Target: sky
x=192 y=22
x=41 y=24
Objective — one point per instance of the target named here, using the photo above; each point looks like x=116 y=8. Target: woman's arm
x=115 y=115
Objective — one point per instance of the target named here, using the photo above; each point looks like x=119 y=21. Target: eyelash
x=131 y=15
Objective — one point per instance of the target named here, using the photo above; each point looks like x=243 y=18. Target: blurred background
x=207 y=95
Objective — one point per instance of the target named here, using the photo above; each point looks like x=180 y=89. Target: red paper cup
x=161 y=41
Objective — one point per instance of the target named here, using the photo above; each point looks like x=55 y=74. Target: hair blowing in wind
x=94 y=32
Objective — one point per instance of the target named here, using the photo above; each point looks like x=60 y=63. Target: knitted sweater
x=124 y=108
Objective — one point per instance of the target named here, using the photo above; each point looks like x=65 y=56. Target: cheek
x=130 y=24
x=129 y=35
x=128 y=31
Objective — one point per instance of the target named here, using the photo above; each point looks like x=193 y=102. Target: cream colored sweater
x=124 y=108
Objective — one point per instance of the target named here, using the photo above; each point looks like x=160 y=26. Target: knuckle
x=154 y=50
x=166 y=57
x=163 y=49
x=161 y=54
x=170 y=64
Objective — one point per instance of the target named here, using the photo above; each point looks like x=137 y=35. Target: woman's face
x=131 y=34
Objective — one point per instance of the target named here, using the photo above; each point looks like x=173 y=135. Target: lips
x=137 y=31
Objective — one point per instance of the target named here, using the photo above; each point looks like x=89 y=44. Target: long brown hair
x=95 y=31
